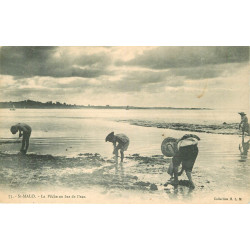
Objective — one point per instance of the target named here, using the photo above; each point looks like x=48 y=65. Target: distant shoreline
x=114 y=107
x=29 y=104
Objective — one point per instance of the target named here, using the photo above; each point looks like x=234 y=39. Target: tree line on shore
x=30 y=104
x=35 y=104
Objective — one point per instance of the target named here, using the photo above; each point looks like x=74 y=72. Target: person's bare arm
x=22 y=129
x=114 y=144
x=240 y=124
x=20 y=132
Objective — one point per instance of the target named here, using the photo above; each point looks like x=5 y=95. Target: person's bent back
x=25 y=132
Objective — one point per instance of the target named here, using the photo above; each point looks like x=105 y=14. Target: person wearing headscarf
x=120 y=142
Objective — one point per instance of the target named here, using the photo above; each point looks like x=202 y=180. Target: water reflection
x=119 y=170
x=244 y=147
x=179 y=191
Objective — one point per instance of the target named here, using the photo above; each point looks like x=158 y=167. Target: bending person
x=25 y=132
x=185 y=153
x=120 y=142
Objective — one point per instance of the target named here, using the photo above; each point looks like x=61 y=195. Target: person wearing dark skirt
x=186 y=154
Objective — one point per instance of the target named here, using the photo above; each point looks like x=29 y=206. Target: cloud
x=24 y=62
x=208 y=71
x=142 y=76
x=178 y=57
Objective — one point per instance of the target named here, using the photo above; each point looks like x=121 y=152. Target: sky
x=198 y=77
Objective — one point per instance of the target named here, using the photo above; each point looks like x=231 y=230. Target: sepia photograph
x=124 y=125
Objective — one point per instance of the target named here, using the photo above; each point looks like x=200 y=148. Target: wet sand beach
x=68 y=154
x=224 y=128
x=139 y=177
x=84 y=170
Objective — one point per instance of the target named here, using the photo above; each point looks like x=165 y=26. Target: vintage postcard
x=124 y=125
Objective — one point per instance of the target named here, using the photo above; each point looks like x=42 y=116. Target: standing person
x=185 y=152
x=244 y=126
x=25 y=132
x=120 y=142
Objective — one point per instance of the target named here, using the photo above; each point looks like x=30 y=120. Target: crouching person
x=184 y=152
x=187 y=152
x=120 y=142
